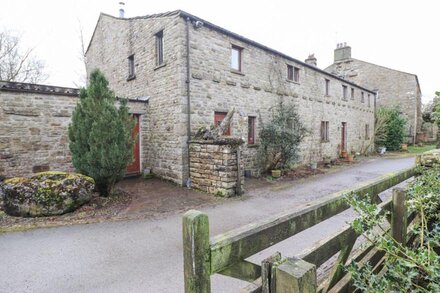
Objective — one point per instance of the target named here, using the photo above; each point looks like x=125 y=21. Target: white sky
x=402 y=35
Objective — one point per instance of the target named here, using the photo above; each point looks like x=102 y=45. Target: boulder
x=46 y=194
x=428 y=159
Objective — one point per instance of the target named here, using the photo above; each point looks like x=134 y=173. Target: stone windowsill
x=327 y=96
x=131 y=77
x=325 y=141
x=159 y=66
x=253 y=145
x=292 y=81
x=237 y=72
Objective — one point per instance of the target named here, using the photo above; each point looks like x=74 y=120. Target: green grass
x=418 y=150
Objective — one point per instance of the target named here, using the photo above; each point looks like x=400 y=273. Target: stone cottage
x=393 y=87
x=192 y=72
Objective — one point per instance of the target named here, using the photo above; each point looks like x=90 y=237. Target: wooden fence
x=226 y=253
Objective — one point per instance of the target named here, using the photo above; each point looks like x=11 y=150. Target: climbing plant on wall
x=280 y=137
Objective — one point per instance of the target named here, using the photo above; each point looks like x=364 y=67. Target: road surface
x=146 y=255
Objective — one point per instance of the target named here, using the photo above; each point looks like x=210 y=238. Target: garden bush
x=280 y=137
x=100 y=135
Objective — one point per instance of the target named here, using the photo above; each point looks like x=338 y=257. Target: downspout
x=188 y=101
x=415 y=122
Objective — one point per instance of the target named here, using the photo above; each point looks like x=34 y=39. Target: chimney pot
x=121 y=10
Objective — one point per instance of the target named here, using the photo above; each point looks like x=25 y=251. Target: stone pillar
x=214 y=167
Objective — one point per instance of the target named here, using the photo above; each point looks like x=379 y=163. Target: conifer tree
x=101 y=134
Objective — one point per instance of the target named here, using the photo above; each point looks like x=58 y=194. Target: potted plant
x=276 y=173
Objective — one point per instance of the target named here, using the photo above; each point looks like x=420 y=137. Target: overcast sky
x=402 y=35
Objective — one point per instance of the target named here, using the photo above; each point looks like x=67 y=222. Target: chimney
x=121 y=9
x=342 y=52
x=312 y=60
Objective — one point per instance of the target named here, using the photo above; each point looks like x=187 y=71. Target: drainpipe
x=415 y=123
x=188 y=100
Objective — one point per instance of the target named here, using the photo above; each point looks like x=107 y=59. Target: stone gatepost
x=216 y=166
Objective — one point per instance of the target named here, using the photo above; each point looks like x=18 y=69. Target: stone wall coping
x=38 y=88
x=221 y=141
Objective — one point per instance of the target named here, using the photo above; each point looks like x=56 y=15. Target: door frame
x=344 y=136
x=139 y=142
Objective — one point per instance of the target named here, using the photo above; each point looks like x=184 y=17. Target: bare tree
x=18 y=64
x=82 y=72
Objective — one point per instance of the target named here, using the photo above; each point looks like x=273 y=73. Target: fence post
x=399 y=216
x=295 y=276
x=196 y=252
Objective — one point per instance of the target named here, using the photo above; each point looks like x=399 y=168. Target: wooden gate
x=135 y=166
x=226 y=254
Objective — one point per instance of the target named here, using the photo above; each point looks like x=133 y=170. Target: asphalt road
x=146 y=255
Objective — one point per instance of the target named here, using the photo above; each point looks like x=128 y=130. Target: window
x=131 y=73
x=289 y=72
x=362 y=98
x=367 y=131
x=296 y=74
x=352 y=93
x=344 y=92
x=159 y=48
x=369 y=101
x=251 y=130
x=236 y=58
x=218 y=118
x=327 y=87
x=324 y=131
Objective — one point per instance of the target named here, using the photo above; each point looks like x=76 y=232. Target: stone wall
x=33 y=131
x=214 y=168
x=394 y=88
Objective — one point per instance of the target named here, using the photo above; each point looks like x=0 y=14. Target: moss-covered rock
x=429 y=158
x=45 y=193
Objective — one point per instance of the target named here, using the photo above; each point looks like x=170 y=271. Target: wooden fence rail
x=226 y=253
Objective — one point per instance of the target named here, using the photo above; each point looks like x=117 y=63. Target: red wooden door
x=135 y=166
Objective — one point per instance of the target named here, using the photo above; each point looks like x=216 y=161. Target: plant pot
x=404 y=147
x=276 y=173
x=344 y=154
x=313 y=165
x=350 y=158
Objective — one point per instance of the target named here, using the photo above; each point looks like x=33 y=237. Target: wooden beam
x=399 y=216
x=243 y=270
x=196 y=259
x=238 y=244
x=295 y=276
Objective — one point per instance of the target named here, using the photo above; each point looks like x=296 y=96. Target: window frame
x=369 y=100
x=131 y=67
x=251 y=130
x=362 y=97
x=239 y=51
x=296 y=74
x=344 y=92
x=160 y=59
x=352 y=93
x=290 y=72
x=325 y=131
x=367 y=131
x=217 y=121
x=327 y=87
